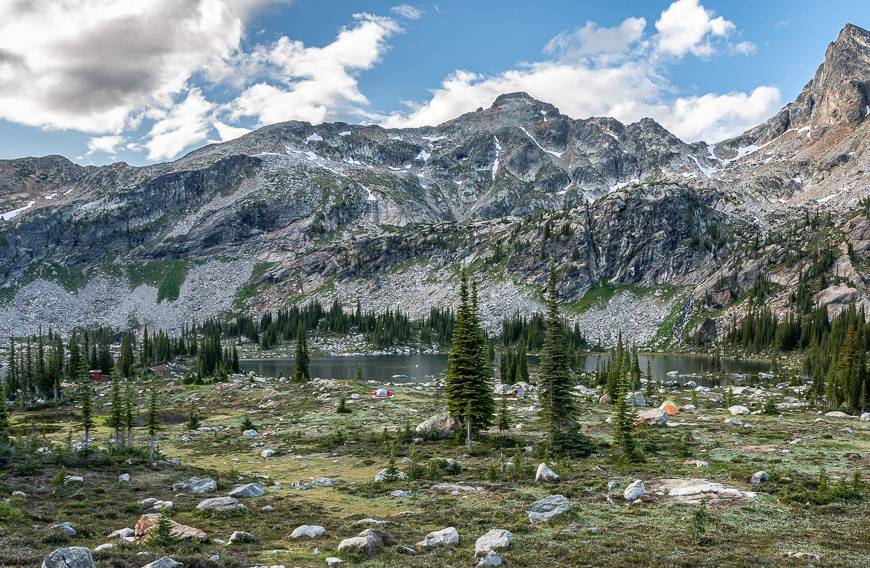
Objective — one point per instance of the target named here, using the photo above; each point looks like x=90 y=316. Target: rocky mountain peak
x=840 y=90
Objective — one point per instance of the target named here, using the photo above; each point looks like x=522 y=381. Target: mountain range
x=648 y=234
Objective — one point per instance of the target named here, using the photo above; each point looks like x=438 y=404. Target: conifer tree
x=469 y=395
x=153 y=420
x=623 y=419
x=129 y=413
x=125 y=360
x=86 y=399
x=5 y=439
x=729 y=397
x=301 y=373
x=116 y=419
x=504 y=422
x=12 y=385
x=648 y=391
x=557 y=407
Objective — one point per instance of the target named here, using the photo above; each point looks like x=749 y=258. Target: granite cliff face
x=294 y=211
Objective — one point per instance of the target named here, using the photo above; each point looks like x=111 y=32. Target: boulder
x=104 y=547
x=66 y=528
x=71 y=557
x=545 y=475
x=333 y=561
x=240 y=537
x=249 y=433
x=494 y=539
x=604 y=399
x=653 y=417
x=491 y=559
x=247 y=491
x=446 y=536
x=548 y=508
x=267 y=453
x=738 y=409
x=124 y=478
x=164 y=562
x=439 y=427
x=367 y=543
x=865 y=417
x=758 y=478
x=733 y=422
x=837 y=414
x=196 y=485
x=386 y=475
x=308 y=531
x=146 y=524
x=221 y=504
x=122 y=533
x=634 y=491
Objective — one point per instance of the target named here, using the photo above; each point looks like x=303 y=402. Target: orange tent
x=669 y=407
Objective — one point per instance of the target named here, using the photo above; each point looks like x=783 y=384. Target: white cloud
x=716 y=117
x=686 y=26
x=597 y=71
x=105 y=144
x=227 y=132
x=591 y=39
x=407 y=11
x=184 y=124
x=88 y=65
x=313 y=83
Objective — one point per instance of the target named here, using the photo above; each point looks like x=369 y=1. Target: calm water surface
x=419 y=367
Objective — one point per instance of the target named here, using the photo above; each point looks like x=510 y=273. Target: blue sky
x=101 y=81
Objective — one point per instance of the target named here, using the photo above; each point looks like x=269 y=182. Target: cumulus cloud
x=105 y=144
x=591 y=39
x=88 y=65
x=182 y=125
x=407 y=11
x=313 y=83
x=601 y=71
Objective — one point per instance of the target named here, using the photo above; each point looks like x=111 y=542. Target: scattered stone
x=400 y=493
x=694 y=490
x=611 y=485
x=267 y=453
x=604 y=399
x=367 y=543
x=124 y=478
x=104 y=547
x=865 y=417
x=545 y=475
x=249 y=433
x=315 y=482
x=70 y=557
x=121 y=533
x=73 y=479
x=438 y=427
x=446 y=536
x=738 y=409
x=164 y=562
x=66 y=528
x=221 y=504
x=19 y=494
x=332 y=561
x=494 y=539
x=733 y=422
x=386 y=475
x=837 y=414
x=653 y=417
x=803 y=556
x=548 y=508
x=634 y=491
x=249 y=490
x=758 y=478
x=491 y=559
x=308 y=531
x=196 y=485
x=240 y=537
x=455 y=488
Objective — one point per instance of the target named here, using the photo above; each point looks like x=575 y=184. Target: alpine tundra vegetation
x=510 y=338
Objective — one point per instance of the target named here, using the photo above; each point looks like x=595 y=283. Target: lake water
x=419 y=367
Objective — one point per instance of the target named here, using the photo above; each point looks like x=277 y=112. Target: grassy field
x=790 y=513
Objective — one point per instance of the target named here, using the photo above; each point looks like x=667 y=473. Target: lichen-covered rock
x=548 y=508
x=71 y=557
x=438 y=427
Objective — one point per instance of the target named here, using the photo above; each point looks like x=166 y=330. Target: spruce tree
x=503 y=419
x=623 y=419
x=129 y=413
x=301 y=373
x=12 y=385
x=116 y=419
x=5 y=439
x=86 y=399
x=469 y=395
x=152 y=421
x=557 y=406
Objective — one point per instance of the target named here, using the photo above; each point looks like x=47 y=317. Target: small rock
x=248 y=490
x=73 y=479
x=494 y=539
x=385 y=475
x=267 y=453
x=164 y=562
x=240 y=537
x=491 y=559
x=439 y=427
x=400 y=493
x=104 y=547
x=308 y=531
x=121 y=533
x=19 y=494
x=545 y=475
x=196 y=485
x=634 y=491
x=837 y=414
x=124 y=478
x=758 y=478
x=865 y=417
x=653 y=417
x=65 y=528
x=332 y=561
x=221 y=504
x=611 y=485
x=548 y=508
x=738 y=409
x=437 y=538
x=733 y=422
x=249 y=433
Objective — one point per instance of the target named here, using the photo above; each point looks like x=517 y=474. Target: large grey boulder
x=758 y=478
x=164 y=562
x=548 y=508
x=308 y=531
x=221 y=504
x=70 y=557
x=634 y=491
x=438 y=427
x=738 y=409
x=653 y=417
x=367 y=543
x=490 y=560
x=545 y=475
x=247 y=490
x=66 y=528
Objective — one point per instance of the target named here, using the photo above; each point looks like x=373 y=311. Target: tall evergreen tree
x=469 y=394
x=125 y=360
x=153 y=420
x=623 y=418
x=116 y=419
x=129 y=414
x=558 y=410
x=301 y=372
x=5 y=438
x=12 y=373
x=86 y=399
